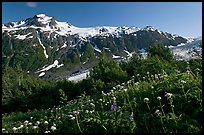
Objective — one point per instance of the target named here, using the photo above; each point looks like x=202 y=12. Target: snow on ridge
x=116 y=57
x=22 y=37
x=58 y=66
x=181 y=44
x=189 y=40
x=42 y=45
x=43 y=18
x=149 y=28
x=128 y=53
x=79 y=77
x=64 y=28
x=96 y=48
x=41 y=15
x=64 y=46
x=41 y=74
x=55 y=64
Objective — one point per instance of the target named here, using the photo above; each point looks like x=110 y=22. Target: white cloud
x=31 y=4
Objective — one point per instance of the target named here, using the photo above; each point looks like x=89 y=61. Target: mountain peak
x=41 y=15
x=151 y=28
x=42 y=20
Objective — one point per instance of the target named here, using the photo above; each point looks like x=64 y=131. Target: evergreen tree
x=88 y=54
x=161 y=51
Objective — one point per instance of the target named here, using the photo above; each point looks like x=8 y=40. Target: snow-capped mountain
x=45 y=23
x=42 y=45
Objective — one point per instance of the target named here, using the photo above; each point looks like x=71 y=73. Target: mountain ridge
x=42 y=43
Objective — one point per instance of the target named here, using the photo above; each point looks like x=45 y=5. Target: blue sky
x=182 y=18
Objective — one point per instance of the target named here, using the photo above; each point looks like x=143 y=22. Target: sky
x=181 y=18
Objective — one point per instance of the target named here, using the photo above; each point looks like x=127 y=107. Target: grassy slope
x=180 y=113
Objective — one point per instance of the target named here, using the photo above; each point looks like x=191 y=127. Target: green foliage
x=108 y=72
x=138 y=109
x=63 y=97
x=71 y=58
x=28 y=56
x=153 y=95
x=161 y=51
x=88 y=54
x=134 y=63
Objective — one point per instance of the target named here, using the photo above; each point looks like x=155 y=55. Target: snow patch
x=64 y=46
x=128 y=53
x=41 y=74
x=22 y=37
x=98 y=50
x=79 y=77
x=42 y=47
x=58 y=66
x=55 y=64
x=116 y=57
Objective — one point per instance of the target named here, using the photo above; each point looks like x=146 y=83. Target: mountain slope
x=51 y=49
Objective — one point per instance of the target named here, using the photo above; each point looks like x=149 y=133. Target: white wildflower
x=87 y=111
x=156 y=77
x=146 y=100
x=159 y=98
x=26 y=122
x=53 y=128
x=92 y=104
x=46 y=122
x=91 y=111
x=182 y=81
x=35 y=127
x=47 y=131
x=72 y=118
x=125 y=90
x=75 y=112
x=100 y=100
x=157 y=112
x=14 y=128
x=37 y=122
x=168 y=95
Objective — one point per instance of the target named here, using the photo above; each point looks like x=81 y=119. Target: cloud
x=31 y=4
